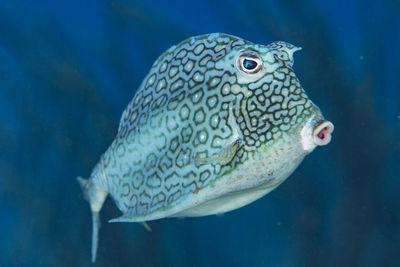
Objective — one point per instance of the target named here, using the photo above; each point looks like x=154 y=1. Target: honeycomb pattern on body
x=190 y=107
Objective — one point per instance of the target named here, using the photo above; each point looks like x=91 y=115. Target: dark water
x=68 y=70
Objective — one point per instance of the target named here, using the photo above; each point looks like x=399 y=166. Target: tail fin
x=95 y=196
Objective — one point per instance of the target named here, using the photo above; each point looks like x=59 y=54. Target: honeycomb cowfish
x=217 y=123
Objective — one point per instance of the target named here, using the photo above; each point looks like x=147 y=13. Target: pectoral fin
x=223 y=157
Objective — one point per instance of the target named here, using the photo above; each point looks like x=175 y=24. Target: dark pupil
x=249 y=64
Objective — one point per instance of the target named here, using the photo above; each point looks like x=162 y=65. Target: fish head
x=269 y=102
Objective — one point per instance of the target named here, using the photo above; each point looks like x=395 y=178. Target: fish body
x=217 y=123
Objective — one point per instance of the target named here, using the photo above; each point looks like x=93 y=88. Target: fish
x=217 y=123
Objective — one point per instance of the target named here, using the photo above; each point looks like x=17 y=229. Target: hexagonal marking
x=204 y=176
x=172 y=123
x=202 y=136
x=183 y=158
x=175 y=86
x=163 y=67
x=184 y=112
x=199 y=116
x=198 y=49
x=212 y=101
x=173 y=71
x=158 y=199
x=137 y=179
x=153 y=180
x=120 y=150
x=198 y=77
x=197 y=96
x=186 y=134
x=181 y=54
x=165 y=163
x=226 y=89
x=125 y=190
x=174 y=196
x=189 y=66
x=151 y=80
x=174 y=144
x=161 y=85
x=214 y=121
x=205 y=60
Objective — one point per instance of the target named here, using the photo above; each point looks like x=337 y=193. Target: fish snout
x=322 y=133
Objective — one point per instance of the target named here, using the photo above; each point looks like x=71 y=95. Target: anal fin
x=148 y=228
x=127 y=217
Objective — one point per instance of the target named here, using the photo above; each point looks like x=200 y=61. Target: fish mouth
x=322 y=133
x=315 y=132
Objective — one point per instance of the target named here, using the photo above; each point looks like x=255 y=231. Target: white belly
x=236 y=193
x=228 y=202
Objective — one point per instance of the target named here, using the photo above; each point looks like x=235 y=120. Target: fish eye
x=249 y=63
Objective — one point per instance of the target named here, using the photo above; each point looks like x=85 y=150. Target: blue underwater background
x=69 y=68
